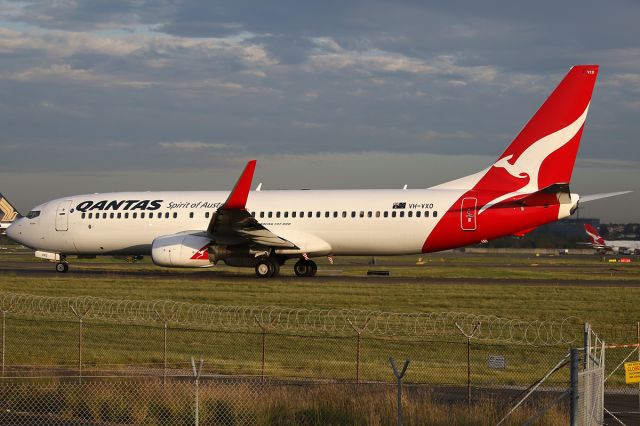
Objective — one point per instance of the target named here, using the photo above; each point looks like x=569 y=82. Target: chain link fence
x=92 y=361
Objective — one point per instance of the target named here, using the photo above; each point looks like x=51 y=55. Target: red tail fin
x=593 y=235
x=547 y=146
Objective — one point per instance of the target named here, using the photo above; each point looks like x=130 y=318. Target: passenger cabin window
x=142 y=215
x=326 y=214
x=435 y=214
x=166 y=215
x=84 y=215
x=126 y=215
x=112 y=215
x=286 y=214
x=369 y=214
x=90 y=215
x=270 y=214
x=277 y=214
x=418 y=214
x=104 y=215
x=344 y=214
x=386 y=214
x=426 y=213
x=317 y=214
x=393 y=214
x=190 y=215
x=34 y=213
x=361 y=214
x=134 y=215
x=377 y=214
x=261 y=214
x=175 y=215
x=401 y=214
x=410 y=214
x=293 y=214
x=353 y=214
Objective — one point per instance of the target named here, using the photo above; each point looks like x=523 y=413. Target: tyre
x=301 y=268
x=62 y=267
x=266 y=268
x=305 y=268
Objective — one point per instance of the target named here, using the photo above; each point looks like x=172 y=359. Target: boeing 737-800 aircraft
x=526 y=187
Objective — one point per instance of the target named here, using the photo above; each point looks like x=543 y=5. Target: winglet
x=238 y=198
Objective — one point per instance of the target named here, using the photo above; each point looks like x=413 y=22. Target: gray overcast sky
x=112 y=95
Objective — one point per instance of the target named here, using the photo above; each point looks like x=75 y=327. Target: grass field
x=595 y=301
x=538 y=288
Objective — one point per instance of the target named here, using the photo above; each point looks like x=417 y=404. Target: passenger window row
x=344 y=214
x=269 y=215
x=132 y=215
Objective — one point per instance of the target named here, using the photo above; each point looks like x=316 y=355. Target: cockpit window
x=33 y=214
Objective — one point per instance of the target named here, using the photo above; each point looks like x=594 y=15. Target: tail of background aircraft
x=7 y=213
x=594 y=236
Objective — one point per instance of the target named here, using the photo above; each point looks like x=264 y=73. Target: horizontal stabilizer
x=587 y=198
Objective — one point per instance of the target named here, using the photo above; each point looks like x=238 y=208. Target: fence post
x=573 y=380
x=165 y=321
x=5 y=311
x=399 y=375
x=358 y=333
x=196 y=376
x=80 y=317
x=264 y=329
x=469 y=336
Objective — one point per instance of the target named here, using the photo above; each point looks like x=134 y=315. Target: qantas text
x=119 y=205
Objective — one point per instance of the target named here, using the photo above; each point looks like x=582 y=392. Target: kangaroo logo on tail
x=527 y=165
x=593 y=235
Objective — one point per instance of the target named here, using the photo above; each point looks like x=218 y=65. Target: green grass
x=151 y=403
x=612 y=310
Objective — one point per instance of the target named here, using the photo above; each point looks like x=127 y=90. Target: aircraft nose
x=12 y=230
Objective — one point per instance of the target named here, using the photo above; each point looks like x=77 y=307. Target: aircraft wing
x=233 y=224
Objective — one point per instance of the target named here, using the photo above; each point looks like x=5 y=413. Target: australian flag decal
x=399 y=205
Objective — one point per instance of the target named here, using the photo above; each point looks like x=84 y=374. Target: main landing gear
x=62 y=267
x=267 y=267
x=305 y=268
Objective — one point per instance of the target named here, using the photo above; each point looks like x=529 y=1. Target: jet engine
x=181 y=250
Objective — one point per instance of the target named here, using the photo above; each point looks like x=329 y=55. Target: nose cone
x=12 y=230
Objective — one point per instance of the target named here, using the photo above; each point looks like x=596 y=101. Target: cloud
x=194 y=145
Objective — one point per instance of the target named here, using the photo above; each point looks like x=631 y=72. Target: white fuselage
x=313 y=215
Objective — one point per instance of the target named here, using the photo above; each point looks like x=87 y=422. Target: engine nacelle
x=181 y=250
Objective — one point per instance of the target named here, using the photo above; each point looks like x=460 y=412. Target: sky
x=113 y=95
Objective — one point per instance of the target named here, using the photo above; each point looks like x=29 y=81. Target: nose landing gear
x=62 y=267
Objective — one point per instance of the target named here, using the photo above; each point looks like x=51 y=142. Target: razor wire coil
x=490 y=328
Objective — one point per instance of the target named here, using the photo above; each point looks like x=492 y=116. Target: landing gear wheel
x=62 y=267
x=305 y=268
x=267 y=268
